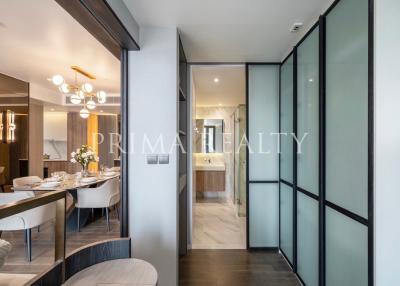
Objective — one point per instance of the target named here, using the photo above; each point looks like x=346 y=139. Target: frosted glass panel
x=263 y=120
x=286 y=210
x=347 y=106
x=308 y=113
x=307 y=239
x=287 y=120
x=264 y=215
x=346 y=251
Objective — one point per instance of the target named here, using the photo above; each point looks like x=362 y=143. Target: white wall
x=153 y=198
x=55 y=125
x=41 y=93
x=387 y=143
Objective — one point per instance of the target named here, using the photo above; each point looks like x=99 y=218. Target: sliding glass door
x=308 y=158
x=263 y=171
x=286 y=183
x=347 y=144
x=326 y=174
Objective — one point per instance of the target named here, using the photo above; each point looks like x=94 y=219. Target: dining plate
x=109 y=174
x=52 y=179
x=49 y=184
x=88 y=180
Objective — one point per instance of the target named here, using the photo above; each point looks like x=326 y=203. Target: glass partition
x=347 y=139
x=263 y=160
x=347 y=106
x=308 y=159
x=308 y=113
x=286 y=116
x=286 y=220
x=286 y=159
x=263 y=122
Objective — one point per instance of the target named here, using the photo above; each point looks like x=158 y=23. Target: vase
x=84 y=171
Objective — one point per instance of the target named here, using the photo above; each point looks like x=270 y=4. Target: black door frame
x=98 y=18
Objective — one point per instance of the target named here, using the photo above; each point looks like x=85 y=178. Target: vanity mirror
x=209 y=136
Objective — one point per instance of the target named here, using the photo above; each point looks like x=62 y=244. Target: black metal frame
x=101 y=21
x=124 y=225
x=321 y=198
x=293 y=54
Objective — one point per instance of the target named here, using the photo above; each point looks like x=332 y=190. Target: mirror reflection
x=209 y=135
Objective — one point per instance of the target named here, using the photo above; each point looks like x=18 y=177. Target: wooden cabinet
x=210 y=181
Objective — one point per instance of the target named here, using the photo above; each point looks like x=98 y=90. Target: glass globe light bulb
x=75 y=99
x=87 y=87
x=84 y=113
x=81 y=94
x=101 y=100
x=64 y=88
x=57 y=79
x=91 y=104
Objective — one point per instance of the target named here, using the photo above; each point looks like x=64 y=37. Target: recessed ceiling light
x=216 y=80
x=311 y=80
x=52 y=109
x=220 y=104
x=101 y=111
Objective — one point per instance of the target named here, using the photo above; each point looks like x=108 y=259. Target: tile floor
x=217 y=226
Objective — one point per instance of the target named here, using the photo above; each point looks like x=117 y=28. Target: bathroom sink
x=210 y=167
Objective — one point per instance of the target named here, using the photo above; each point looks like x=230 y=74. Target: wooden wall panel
x=77 y=136
x=35 y=139
x=108 y=126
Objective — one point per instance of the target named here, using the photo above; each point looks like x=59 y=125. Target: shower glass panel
x=240 y=160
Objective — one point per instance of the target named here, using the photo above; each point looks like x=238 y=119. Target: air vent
x=296 y=27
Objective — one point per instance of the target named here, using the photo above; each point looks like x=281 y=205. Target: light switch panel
x=163 y=159
x=152 y=159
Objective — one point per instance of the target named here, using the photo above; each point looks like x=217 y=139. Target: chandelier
x=80 y=94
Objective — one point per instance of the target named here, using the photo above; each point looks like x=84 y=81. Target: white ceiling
x=230 y=90
x=231 y=30
x=40 y=39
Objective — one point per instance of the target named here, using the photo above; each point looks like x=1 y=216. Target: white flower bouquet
x=84 y=156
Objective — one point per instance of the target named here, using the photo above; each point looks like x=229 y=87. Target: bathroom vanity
x=210 y=181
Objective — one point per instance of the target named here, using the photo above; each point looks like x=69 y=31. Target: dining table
x=71 y=183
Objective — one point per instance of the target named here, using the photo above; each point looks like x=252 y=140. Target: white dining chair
x=104 y=197
x=28 y=219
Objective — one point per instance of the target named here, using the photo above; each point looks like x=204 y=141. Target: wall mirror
x=209 y=135
x=14 y=109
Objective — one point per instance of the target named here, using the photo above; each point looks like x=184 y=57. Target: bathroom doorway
x=218 y=197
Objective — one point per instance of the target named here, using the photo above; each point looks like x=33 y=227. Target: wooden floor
x=235 y=268
x=43 y=244
x=216 y=225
